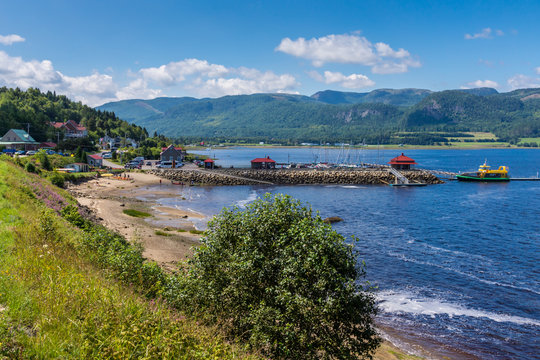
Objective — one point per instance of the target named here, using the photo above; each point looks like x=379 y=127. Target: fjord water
x=456 y=265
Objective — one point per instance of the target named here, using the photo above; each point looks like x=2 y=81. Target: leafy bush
x=57 y=179
x=283 y=280
x=30 y=167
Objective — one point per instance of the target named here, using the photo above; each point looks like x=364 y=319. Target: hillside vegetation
x=376 y=117
x=20 y=109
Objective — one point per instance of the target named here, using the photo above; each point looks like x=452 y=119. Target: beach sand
x=108 y=198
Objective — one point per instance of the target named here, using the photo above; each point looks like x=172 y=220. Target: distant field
x=530 y=140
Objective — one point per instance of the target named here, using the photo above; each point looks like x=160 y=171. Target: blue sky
x=100 y=51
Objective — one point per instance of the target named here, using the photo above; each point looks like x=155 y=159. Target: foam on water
x=406 y=302
x=242 y=203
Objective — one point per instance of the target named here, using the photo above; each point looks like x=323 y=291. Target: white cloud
x=521 y=82
x=486 y=33
x=10 y=39
x=537 y=70
x=353 y=81
x=194 y=76
x=482 y=83
x=205 y=79
x=349 y=49
x=92 y=90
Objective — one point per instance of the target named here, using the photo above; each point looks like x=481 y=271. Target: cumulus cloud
x=206 y=79
x=482 y=83
x=10 y=39
x=486 y=33
x=92 y=90
x=522 y=81
x=197 y=77
x=353 y=81
x=349 y=49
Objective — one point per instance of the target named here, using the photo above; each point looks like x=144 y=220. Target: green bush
x=57 y=179
x=280 y=278
x=30 y=167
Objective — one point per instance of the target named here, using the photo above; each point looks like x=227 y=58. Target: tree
x=279 y=277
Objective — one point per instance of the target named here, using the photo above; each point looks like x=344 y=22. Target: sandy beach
x=108 y=198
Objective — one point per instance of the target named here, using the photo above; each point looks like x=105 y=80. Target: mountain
x=398 y=97
x=338 y=116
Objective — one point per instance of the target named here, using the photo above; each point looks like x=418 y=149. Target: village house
x=171 y=153
x=71 y=128
x=78 y=167
x=263 y=163
x=18 y=139
x=94 y=160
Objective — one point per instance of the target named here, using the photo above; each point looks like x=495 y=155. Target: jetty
x=293 y=176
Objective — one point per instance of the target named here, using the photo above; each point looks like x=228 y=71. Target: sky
x=101 y=51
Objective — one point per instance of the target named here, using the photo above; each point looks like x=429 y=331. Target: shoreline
x=107 y=198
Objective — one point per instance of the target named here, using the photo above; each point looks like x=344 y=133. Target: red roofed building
x=94 y=160
x=402 y=162
x=72 y=129
x=263 y=163
x=209 y=164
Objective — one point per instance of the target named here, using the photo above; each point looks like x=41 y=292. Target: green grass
x=136 y=213
x=62 y=292
x=195 y=231
x=161 y=233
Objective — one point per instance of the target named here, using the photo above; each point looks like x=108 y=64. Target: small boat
x=485 y=174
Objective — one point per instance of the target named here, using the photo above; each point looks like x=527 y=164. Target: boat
x=485 y=174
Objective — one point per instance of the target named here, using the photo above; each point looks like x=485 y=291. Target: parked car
x=50 y=152
x=107 y=155
x=20 y=152
x=148 y=163
x=31 y=152
x=165 y=165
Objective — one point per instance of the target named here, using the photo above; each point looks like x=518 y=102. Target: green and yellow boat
x=485 y=174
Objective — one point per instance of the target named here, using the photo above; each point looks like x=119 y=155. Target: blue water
x=456 y=265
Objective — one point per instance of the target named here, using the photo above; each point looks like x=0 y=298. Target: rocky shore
x=291 y=176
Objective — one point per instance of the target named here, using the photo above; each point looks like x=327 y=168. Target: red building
x=402 y=162
x=209 y=164
x=263 y=163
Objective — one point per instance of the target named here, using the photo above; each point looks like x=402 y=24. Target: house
x=78 y=167
x=172 y=153
x=47 y=145
x=18 y=139
x=94 y=160
x=263 y=163
x=72 y=129
x=209 y=164
x=402 y=162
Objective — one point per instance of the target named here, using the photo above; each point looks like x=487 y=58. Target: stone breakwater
x=291 y=176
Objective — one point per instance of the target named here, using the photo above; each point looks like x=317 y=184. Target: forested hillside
x=35 y=110
x=336 y=116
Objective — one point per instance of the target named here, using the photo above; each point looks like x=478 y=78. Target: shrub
x=30 y=167
x=283 y=280
x=57 y=179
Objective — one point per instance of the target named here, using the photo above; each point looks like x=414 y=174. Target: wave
x=489 y=282
x=403 y=302
x=242 y=203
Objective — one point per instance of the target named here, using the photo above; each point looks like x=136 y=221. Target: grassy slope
x=54 y=304
x=57 y=303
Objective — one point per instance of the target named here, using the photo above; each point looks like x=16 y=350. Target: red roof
x=263 y=160
x=48 y=144
x=96 y=157
x=57 y=125
x=208 y=161
x=402 y=159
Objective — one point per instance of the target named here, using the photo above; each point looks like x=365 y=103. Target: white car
x=107 y=155
x=165 y=165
